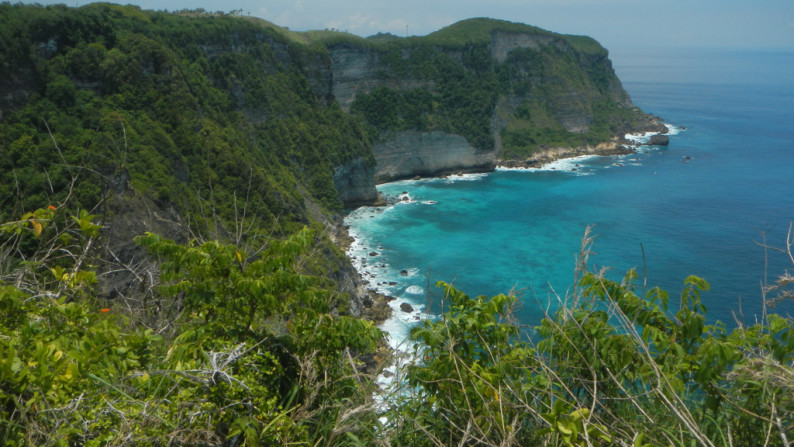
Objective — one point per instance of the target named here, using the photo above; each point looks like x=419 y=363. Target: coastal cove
x=191 y=251
x=701 y=206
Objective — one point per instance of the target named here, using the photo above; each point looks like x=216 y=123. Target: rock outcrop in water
x=659 y=140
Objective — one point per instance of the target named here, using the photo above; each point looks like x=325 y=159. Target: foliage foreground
x=255 y=354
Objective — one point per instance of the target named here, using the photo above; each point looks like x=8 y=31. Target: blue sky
x=614 y=23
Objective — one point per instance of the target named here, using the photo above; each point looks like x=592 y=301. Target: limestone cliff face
x=568 y=99
x=503 y=42
x=411 y=153
x=355 y=182
x=445 y=103
x=403 y=154
x=357 y=70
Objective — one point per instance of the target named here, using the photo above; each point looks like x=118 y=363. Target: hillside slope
x=218 y=126
x=204 y=127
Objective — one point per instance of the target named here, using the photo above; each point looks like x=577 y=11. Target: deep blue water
x=701 y=206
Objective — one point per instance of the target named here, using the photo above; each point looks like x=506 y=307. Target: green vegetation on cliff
x=461 y=101
x=181 y=108
x=486 y=79
x=236 y=328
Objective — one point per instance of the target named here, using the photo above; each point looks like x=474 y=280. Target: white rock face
x=411 y=153
x=503 y=42
x=356 y=71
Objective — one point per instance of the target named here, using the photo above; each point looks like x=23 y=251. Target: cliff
x=355 y=182
x=233 y=128
x=196 y=126
x=478 y=93
x=411 y=153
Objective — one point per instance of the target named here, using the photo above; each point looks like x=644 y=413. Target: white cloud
x=367 y=24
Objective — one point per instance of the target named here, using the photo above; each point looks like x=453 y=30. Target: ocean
x=705 y=205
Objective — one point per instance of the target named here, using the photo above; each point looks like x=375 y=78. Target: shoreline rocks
x=546 y=156
x=659 y=140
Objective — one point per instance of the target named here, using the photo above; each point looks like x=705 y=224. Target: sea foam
x=371 y=260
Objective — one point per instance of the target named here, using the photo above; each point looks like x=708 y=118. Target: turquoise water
x=701 y=206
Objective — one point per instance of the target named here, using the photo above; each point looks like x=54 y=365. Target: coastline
x=617 y=146
x=551 y=155
x=367 y=256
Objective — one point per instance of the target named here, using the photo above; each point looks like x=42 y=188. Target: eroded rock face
x=568 y=101
x=503 y=42
x=356 y=70
x=411 y=153
x=355 y=182
x=550 y=81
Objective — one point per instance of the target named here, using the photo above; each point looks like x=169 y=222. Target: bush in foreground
x=610 y=367
x=257 y=355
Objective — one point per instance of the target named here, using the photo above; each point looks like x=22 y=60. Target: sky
x=739 y=24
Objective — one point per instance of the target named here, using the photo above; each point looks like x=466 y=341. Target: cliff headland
x=479 y=93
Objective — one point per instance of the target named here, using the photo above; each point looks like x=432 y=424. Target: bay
x=703 y=206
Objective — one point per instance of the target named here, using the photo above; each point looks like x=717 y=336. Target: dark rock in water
x=389 y=298
x=659 y=140
x=404 y=272
x=392 y=283
x=373 y=253
x=405 y=199
x=407 y=308
x=386 y=373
